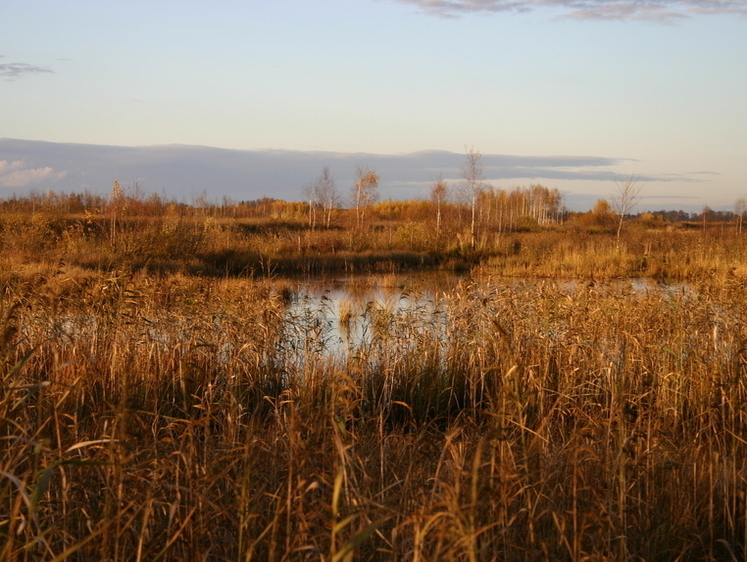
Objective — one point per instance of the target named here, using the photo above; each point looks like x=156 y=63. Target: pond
x=344 y=315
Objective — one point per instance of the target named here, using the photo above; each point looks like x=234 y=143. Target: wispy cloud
x=17 y=174
x=655 y=10
x=14 y=70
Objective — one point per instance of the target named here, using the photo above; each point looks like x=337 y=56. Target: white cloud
x=660 y=10
x=7 y=166
x=17 y=174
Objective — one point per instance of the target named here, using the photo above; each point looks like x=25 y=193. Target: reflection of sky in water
x=371 y=317
x=344 y=315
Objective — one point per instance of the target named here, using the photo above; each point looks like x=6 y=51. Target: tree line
x=470 y=203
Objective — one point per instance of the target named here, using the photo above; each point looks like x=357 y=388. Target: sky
x=247 y=99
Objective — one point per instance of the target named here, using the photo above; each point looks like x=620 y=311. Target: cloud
x=186 y=172
x=13 y=70
x=17 y=174
x=657 y=10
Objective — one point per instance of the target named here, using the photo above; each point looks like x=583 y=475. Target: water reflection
x=358 y=313
x=344 y=316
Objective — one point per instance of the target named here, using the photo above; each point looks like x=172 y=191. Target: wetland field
x=170 y=391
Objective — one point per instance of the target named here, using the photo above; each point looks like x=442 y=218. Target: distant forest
x=489 y=202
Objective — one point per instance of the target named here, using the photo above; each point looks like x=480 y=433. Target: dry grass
x=170 y=239
x=179 y=418
x=659 y=254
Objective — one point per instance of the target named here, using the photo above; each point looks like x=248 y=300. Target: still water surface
x=342 y=315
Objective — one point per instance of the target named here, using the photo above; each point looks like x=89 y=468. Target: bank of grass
x=219 y=247
x=178 y=417
x=677 y=255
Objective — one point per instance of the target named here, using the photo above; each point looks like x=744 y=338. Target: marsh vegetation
x=155 y=405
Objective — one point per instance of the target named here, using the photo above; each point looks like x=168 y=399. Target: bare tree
x=439 y=195
x=364 y=192
x=321 y=195
x=310 y=193
x=740 y=208
x=704 y=216
x=473 y=177
x=327 y=193
x=117 y=203
x=625 y=197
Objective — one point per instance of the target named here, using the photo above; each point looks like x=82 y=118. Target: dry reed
x=179 y=418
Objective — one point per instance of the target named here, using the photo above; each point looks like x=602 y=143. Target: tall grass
x=169 y=238
x=658 y=254
x=180 y=418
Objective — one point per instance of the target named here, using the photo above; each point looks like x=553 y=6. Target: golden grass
x=190 y=240
x=180 y=418
x=157 y=403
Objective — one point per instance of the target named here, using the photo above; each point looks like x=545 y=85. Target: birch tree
x=116 y=206
x=740 y=207
x=473 y=177
x=365 y=192
x=321 y=195
x=327 y=193
x=625 y=197
x=439 y=195
x=310 y=193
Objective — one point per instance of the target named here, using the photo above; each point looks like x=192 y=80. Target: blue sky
x=652 y=88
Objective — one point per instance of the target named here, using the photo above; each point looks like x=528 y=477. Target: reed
x=175 y=417
x=160 y=237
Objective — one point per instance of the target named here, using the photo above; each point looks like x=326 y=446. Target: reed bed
x=660 y=254
x=180 y=418
x=189 y=240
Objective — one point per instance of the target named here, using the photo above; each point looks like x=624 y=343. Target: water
x=342 y=316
